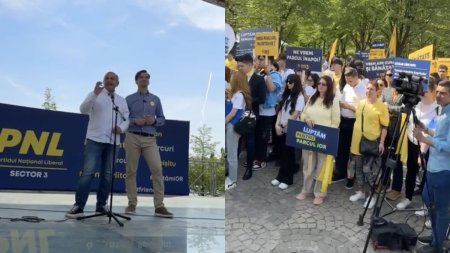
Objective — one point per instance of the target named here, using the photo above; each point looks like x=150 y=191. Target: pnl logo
x=45 y=143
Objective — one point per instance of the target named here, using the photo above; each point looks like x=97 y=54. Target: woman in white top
x=426 y=112
x=240 y=100
x=290 y=107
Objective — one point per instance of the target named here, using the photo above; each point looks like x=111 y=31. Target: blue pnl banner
x=362 y=55
x=378 y=45
x=43 y=150
x=300 y=58
x=319 y=138
x=414 y=67
x=375 y=68
x=247 y=40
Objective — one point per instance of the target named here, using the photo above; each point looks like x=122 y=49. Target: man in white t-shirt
x=353 y=92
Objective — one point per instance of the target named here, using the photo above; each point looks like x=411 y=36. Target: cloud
x=26 y=7
x=198 y=13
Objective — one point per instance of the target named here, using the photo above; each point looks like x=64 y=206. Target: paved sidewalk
x=263 y=218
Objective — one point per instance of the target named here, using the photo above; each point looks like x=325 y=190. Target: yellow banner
x=332 y=51
x=425 y=53
x=433 y=66
x=376 y=54
x=392 y=50
x=266 y=43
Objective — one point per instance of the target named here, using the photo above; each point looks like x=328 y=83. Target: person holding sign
x=321 y=109
x=372 y=120
x=290 y=106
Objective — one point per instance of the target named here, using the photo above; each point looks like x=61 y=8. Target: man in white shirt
x=101 y=133
x=353 y=92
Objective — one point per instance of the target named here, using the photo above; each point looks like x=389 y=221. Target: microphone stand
x=109 y=212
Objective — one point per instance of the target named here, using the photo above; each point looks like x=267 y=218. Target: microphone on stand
x=116 y=108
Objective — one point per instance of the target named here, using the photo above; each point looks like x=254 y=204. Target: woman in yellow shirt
x=376 y=119
x=322 y=109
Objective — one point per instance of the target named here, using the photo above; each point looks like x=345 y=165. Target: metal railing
x=206 y=178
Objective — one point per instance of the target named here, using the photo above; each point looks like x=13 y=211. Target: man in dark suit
x=258 y=90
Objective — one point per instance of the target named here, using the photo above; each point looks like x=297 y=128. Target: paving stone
x=261 y=218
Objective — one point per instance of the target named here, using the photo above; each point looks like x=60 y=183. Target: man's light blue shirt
x=141 y=105
x=440 y=150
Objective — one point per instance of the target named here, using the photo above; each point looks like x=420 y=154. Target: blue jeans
x=97 y=156
x=435 y=193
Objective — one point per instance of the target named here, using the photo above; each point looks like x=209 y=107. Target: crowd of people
x=366 y=111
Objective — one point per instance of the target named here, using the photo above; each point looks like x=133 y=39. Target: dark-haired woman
x=321 y=109
x=290 y=107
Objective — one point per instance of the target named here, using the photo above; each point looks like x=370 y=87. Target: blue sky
x=68 y=45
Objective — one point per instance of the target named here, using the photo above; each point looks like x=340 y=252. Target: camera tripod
x=109 y=212
x=383 y=179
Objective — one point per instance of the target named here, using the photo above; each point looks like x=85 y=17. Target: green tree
x=49 y=102
x=356 y=23
x=206 y=171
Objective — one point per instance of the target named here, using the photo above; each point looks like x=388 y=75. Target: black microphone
x=116 y=108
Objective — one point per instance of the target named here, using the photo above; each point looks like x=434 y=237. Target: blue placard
x=247 y=40
x=374 y=68
x=43 y=150
x=362 y=55
x=378 y=45
x=415 y=67
x=320 y=138
x=304 y=58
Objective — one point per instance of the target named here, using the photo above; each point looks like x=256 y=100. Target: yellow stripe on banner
x=31 y=167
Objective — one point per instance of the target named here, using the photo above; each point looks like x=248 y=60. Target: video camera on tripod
x=411 y=86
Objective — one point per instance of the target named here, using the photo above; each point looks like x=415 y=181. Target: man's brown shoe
x=162 y=212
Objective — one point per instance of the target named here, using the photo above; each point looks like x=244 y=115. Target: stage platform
x=198 y=225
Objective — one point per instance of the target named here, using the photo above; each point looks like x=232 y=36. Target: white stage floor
x=198 y=225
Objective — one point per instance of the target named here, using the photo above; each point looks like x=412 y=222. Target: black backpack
x=392 y=236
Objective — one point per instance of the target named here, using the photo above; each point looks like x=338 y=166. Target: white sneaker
x=428 y=223
x=423 y=212
x=372 y=202
x=403 y=204
x=227 y=181
x=230 y=186
x=283 y=186
x=275 y=182
x=357 y=196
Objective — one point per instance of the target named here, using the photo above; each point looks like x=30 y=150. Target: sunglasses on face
x=289 y=82
x=388 y=74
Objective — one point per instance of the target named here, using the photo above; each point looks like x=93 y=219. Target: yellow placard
x=376 y=54
x=425 y=53
x=433 y=66
x=266 y=43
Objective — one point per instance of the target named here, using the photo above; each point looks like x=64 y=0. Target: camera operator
x=435 y=193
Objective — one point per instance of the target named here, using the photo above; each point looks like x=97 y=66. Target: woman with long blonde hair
x=240 y=99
